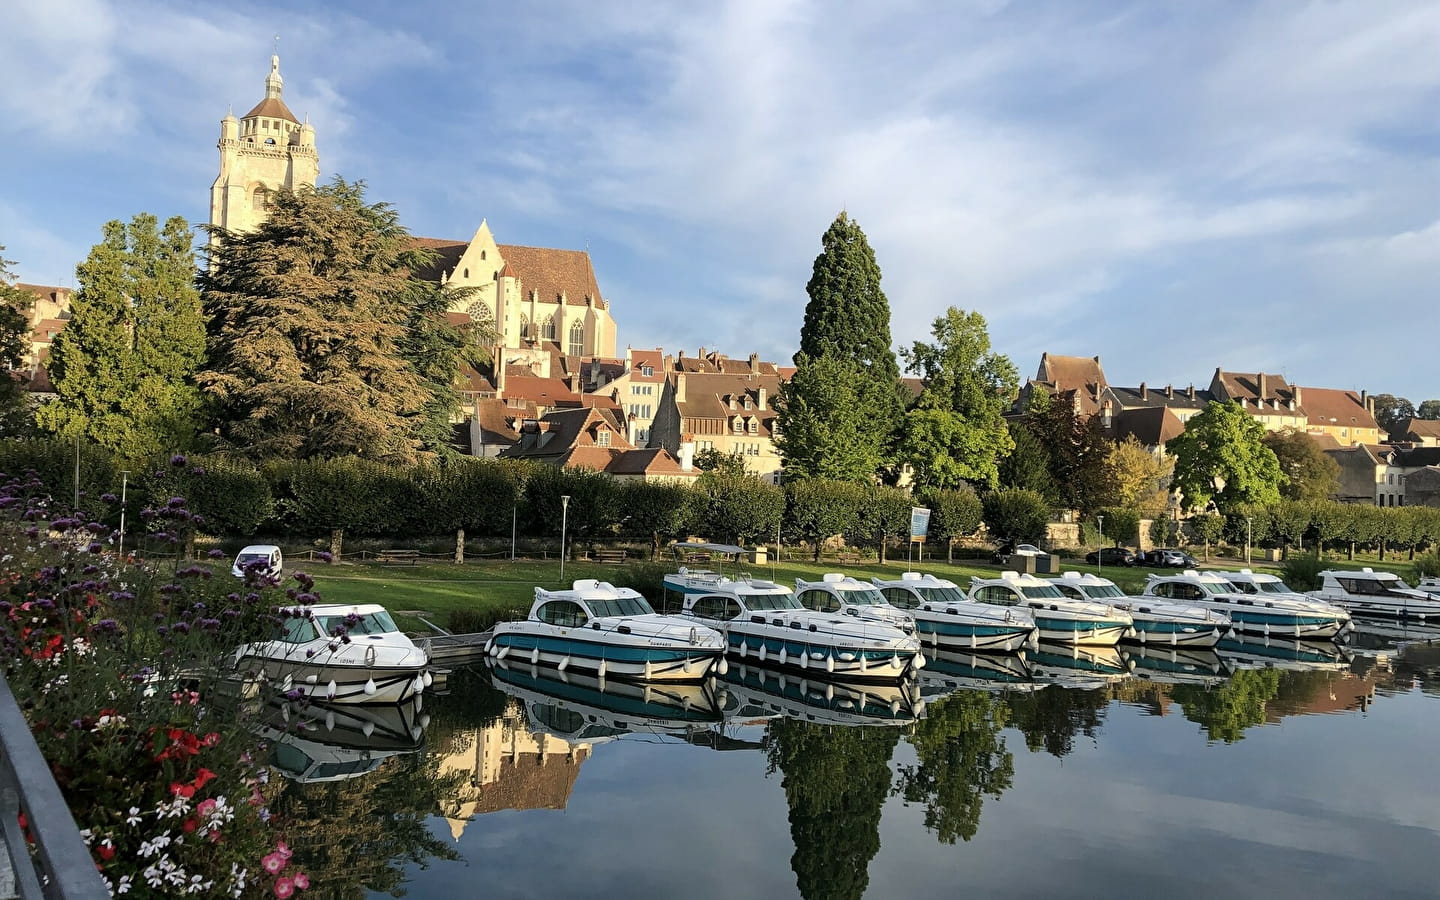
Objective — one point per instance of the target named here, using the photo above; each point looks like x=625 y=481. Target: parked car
x=1169 y=557
x=265 y=557
x=1006 y=551
x=1112 y=556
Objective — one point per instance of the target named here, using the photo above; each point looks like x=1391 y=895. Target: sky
x=1174 y=187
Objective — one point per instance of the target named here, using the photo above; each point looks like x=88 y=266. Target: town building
x=595 y=438
x=712 y=402
x=1420 y=432
x=48 y=315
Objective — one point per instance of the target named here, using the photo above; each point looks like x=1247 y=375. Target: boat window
x=370 y=623
x=942 y=594
x=901 y=598
x=993 y=593
x=1098 y=591
x=619 y=606
x=820 y=601
x=724 y=608
x=784 y=600
x=1245 y=587
x=1274 y=587
x=297 y=631
x=1217 y=587
x=563 y=613
x=864 y=597
x=1038 y=591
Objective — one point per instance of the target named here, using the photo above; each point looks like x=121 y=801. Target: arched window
x=479 y=313
x=482 y=255
x=577 y=339
x=525 y=329
x=467 y=273
x=547 y=329
x=260 y=198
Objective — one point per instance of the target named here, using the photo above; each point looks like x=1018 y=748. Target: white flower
x=86 y=834
x=124 y=887
x=134 y=817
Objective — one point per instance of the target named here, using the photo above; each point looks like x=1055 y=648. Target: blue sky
x=1172 y=186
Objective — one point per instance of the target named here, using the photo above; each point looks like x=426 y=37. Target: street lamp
x=124 y=482
x=1100 y=554
x=1247 y=540
x=564 y=518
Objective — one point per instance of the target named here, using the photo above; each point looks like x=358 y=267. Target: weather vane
x=277 y=45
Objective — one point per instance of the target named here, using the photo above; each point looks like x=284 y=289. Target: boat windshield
x=1102 y=591
x=1217 y=587
x=1041 y=592
x=1273 y=587
x=619 y=606
x=942 y=594
x=370 y=623
x=771 y=602
x=864 y=597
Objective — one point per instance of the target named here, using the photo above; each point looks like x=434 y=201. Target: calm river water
x=1261 y=771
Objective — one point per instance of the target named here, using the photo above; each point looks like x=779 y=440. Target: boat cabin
x=1084 y=586
x=913 y=589
x=1364 y=583
x=1189 y=585
x=835 y=593
x=587 y=599
x=1248 y=582
x=1013 y=589
x=733 y=599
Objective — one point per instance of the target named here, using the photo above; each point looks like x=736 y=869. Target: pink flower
x=302 y=881
x=283 y=850
x=273 y=863
x=206 y=807
x=284 y=887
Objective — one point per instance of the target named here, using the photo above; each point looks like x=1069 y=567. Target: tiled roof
x=472 y=379
x=1417 y=429
x=706 y=397
x=1152 y=426
x=50 y=292
x=913 y=386
x=1068 y=373
x=568 y=430
x=1326 y=406
x=1247 y=385
x=648 y=461
x=545 y=391
x=497 y=421
x=550 y=273
x=1326 y=441
x=272 y=108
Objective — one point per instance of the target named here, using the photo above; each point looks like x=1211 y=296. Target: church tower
x=266 y=150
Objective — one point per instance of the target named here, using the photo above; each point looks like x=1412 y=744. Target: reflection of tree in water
x=1225 y=712
x=1051 y=718
x=961 y=758
x=470 y=704
x=835 y=779
x=356 y=835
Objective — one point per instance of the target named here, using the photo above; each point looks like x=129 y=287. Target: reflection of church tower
x=266 y=150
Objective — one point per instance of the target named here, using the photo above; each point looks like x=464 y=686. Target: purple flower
x=175 y=502
x=105 y=626
x=90 y=570
x=325 y=556
x=108 y=497
x=294 y=694
x=120 y=596
x=96 y=547
x=216 y=554
x=178 y=459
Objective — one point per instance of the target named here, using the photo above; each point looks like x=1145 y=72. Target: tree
x=848 y=319
x=1207 y=528
x=1079 y=455
x=818 y=508
x=1310 y=473
x=655 y=511
x=739 y=508
x=436 y=348
x=823 y=422
x=1221 y=456
x=961 y=377
x=318 y=333
x=15 y=306
x=1027 y=468
x=1138 y=477
x=716 y=460
x=960 y=757
x=1289 y=520
x=1391 y=410
x=123 y=367
x=1122 y=524
x=1016 y=516
x=1429 y=409
x=953 y=514
x=884 y=513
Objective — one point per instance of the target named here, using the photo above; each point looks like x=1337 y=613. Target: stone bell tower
x=266 y=150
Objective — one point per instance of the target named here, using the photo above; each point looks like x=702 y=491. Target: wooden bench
x=398 y=556
x=851 y=558
x=610 y=556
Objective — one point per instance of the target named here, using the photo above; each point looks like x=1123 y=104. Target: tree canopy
x=1310 y=473
x=1391 y=410
x=824 y=423
x=15 y=306
x=1221 y=456
x=1138 y=478
x=1429 y=409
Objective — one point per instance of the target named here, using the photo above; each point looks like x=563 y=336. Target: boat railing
x=49 y=850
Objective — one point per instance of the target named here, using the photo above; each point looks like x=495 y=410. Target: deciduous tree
x=953 y=514
x=15 y=307
x=824 y=427
x=739 y=508
x=817 y=508
x=1221 y=456
x=1138 y=478
x=1429 y=409
x=1016 y=516
x=1391 y=410
x=1310 y=473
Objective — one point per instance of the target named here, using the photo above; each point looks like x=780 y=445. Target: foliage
x=16 y=305
x=960 y=757
x=1138 y=478
x=1122 y=525
x=1016 y=516
x=1289 y=520
x=314 y=340
x=1310 y=473
x=591 y=513
x=836 y=780
x=1079 y=455
x=1225 y=444
x=436 y=348
x=884 y=514
x=953 y=514
x=123 y=365
x=1227 y=710
x=1301 y=572
x=739 y=508
x=229 y=496
x=51 y=463
x=711 y=459
x=966 y=389
x=1391 y=410
x=1028 y=465
x=648 y=578
x=478 y=496
x=1427 y=566
x=1207 y=528
x=353 y=494
x=825 y=429
x=1050 y=719
x=655 y=512
x=1428 y=409
x=1164 y=531
x=817 y=509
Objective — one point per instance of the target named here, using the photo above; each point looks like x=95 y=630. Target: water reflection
x=312 y=741
x=948 y=671
x=1178 y=665
x=751 y=692
x=1072 y=666
x=960 y=758
x=1248 y=651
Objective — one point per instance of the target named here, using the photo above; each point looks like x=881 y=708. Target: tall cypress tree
x=848 y=321
x=123 y=366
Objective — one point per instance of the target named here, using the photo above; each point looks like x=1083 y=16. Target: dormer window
x=753 y=426
x=737 y=425
x=647 y=371
x=748 y=404
x=602 y=437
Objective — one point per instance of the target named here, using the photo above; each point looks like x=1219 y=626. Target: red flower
x=189 y=825
x=181 y=790
x=202 y=778
x=106 y=850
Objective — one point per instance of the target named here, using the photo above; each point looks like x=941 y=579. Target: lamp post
x=1100 y=554
x=564 y=519
x=1247 y=540
x=124 y=483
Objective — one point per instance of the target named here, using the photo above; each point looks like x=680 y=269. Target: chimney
x=1369 y=403
x=631 y=428
x=760 y=400
x=1190 y=392
x=1144 y=392
x=1107 y=414
x=1299 y=400
x=754 y=363
x=687 y=452
x=1169 y=392
x=680 y=387
x=1260 y=380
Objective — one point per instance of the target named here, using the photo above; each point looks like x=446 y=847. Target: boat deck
x=454 y=649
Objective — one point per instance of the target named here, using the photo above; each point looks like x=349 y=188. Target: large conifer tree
x=321 y=343
x=123 y=366
x=15 y=306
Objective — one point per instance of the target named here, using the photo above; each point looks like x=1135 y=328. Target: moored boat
x=1378 y=594
x=1300 y=619
x=846 y=596
x=1058 y=618
x=764 y=624
x=1156 y=621
x=598 y=628
x=947 y=619
x=337 y=653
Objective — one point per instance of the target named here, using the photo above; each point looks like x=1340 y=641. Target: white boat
x=1240 y=650
x=764 y=624
x=1059 y=619
x=752 y=692
x=1430 y=584
x=948 y=671
x=1379 y=594
x=1178 y=665
x=337 y=653
x=842 y=595
x=598 y=628
x=1156 y=621
x=1085 y=668
x=947 y=619
x=1301 y=619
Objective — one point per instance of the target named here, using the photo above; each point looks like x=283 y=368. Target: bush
x=1427 y=566
x=474 y=621
x=1302 y=571
x=1016 y=516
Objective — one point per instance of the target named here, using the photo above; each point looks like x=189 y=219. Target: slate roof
x=1131 y=397
x=447 y=257
x=1416 y=456
x=1246 y=385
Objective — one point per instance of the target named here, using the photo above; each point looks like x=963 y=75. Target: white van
x=266 y=554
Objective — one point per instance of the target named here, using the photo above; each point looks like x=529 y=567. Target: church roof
x=550 y=273
x=272 y=108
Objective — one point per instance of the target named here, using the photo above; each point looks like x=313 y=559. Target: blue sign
x=919 y=523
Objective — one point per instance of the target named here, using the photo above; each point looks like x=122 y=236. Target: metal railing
x=60 y=866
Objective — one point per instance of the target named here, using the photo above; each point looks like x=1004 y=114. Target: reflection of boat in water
x=754 y=692
x=579 y=708
x=947 y=671
x=332 y=742
x=1251 y=651
x=1178 y=665
x=1384 y=634
x=1077 y=666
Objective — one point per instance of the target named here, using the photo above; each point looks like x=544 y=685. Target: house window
x=748 y=404
x=577 y=339
x=549 y=328
x=482 y=255
x=702 y=446
x=602 y=437
x=647 y=371
x=642 y=434
x=737 y=426
x=753 y=427
x=467 y=273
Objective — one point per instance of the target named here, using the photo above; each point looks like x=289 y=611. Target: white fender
x=783 y=655
x=804 y=660
x=600 y=672
x=723 y=667
x=862 y=660
x=565 y=664
x=684 y=664
x=369 y=690
x=329 y=720
x=648 y=675
x=535 y=655
x=829 y=663
x=762 y=650
x=504 y=652
x=310 y=679
x=429 y=679
x=368 y=728
x=330 y=690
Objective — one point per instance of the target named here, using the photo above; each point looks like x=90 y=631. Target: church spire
x=274 y=84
